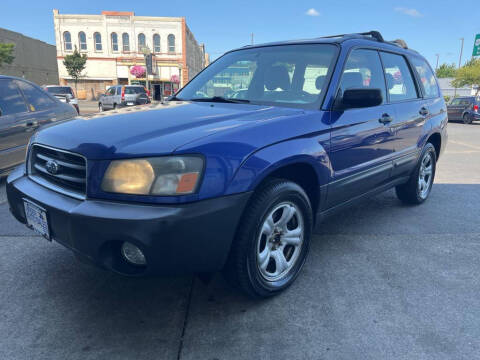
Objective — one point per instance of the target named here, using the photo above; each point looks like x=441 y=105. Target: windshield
x=288 y=75
x=64 y=90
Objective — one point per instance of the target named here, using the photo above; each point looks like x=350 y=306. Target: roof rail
x=373 y=34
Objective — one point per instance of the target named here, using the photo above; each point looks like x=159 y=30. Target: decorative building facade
x=115 y=42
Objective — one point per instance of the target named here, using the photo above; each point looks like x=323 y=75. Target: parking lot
x=383 y=280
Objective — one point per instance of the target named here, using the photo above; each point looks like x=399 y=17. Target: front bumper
x=175 y=239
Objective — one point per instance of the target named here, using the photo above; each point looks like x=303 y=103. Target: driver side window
x=363 y=70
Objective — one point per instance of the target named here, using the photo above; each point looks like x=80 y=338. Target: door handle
x=30 y=125
x=423 y=111
x=385 y=119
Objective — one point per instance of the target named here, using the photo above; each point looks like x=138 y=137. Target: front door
x=12 y=131
x=361 y=145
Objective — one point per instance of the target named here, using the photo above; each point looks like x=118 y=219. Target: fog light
x=133 y=254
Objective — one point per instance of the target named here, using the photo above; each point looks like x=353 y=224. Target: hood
x=152 y=129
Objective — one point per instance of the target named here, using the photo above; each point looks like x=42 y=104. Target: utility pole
x=459 y=63
x=251 y=37
x=461 y=53
x=438 y=56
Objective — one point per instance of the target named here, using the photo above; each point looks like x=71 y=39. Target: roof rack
x=374 y=35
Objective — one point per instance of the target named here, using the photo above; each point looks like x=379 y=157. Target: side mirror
x=360 y=98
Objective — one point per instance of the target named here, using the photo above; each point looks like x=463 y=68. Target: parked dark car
x=464 y=108
x=121 y=96
x=205 y=183
x=24 y=108
x=64 y=94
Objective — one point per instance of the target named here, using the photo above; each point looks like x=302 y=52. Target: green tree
x=446 y=70
x=468 y=75
x=75 y=64
x=6 y=53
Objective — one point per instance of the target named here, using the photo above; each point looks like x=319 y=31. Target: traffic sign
x=476 y=46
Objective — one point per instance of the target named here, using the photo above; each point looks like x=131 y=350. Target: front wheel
x=100 y=107
x=418 y=187
x=272 y=240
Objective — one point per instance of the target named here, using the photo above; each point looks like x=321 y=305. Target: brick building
x=115 y=41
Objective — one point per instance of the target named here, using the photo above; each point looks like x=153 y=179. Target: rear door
x=361 y=146
x=411 y=110
x=12 y=131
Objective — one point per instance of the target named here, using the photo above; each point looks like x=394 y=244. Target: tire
x=467 y=119
x=416 y=191
x=258 y=246
x=114 y=107
x=100 y=107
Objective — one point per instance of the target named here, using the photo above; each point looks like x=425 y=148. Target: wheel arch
x=303 y=161
x=436 y=140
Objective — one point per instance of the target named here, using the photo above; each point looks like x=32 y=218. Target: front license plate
x=36 y=218
x=129 y=103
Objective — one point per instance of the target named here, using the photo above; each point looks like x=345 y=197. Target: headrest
x=277 y=77
x=352 y=80
x=390 y=81
x=319 y=82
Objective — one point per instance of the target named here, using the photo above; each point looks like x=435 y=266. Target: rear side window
x=363 y=69
x=400 y=84
x=425 y=74
x=11 y=101
x=134 y=90
x=37 y=99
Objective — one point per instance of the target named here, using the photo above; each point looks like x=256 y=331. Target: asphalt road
x=383 y=281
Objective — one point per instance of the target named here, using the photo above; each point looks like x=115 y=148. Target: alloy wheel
x=280 y=241
x=425 y=175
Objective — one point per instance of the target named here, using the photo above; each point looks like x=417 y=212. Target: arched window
x=114 y=37
x=171 y=43
x=98 y=41
x=156 y=43
x=141 y=42
x=82 y=41
x=67 y=41
x=126 y=42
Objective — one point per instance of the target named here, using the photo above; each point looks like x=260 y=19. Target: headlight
x=172 y=175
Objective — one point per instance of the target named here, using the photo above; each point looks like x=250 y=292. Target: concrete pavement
x=383 y=281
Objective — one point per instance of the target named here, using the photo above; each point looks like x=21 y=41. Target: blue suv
x=212 y=180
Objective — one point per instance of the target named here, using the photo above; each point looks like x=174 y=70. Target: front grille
x=59 y=170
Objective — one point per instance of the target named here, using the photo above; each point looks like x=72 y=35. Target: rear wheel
x=272 y=240
x=467 y=119
x=418 y=187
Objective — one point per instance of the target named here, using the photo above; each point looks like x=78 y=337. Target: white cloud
x=312 y=12
x=409 y=12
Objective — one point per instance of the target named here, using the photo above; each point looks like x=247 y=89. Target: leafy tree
x=6 y=53
x=468 y=75
x=75 y=64
x=446 y=70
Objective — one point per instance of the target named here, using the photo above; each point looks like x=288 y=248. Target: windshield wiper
x=221 y=99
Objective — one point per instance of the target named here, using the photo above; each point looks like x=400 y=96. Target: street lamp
x=459 y=63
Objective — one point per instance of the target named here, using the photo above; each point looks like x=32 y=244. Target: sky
x=430 y=27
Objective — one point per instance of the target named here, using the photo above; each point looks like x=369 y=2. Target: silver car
x=123 y=95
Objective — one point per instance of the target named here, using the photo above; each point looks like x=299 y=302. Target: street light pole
x=438 y=56
x=459 y=63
